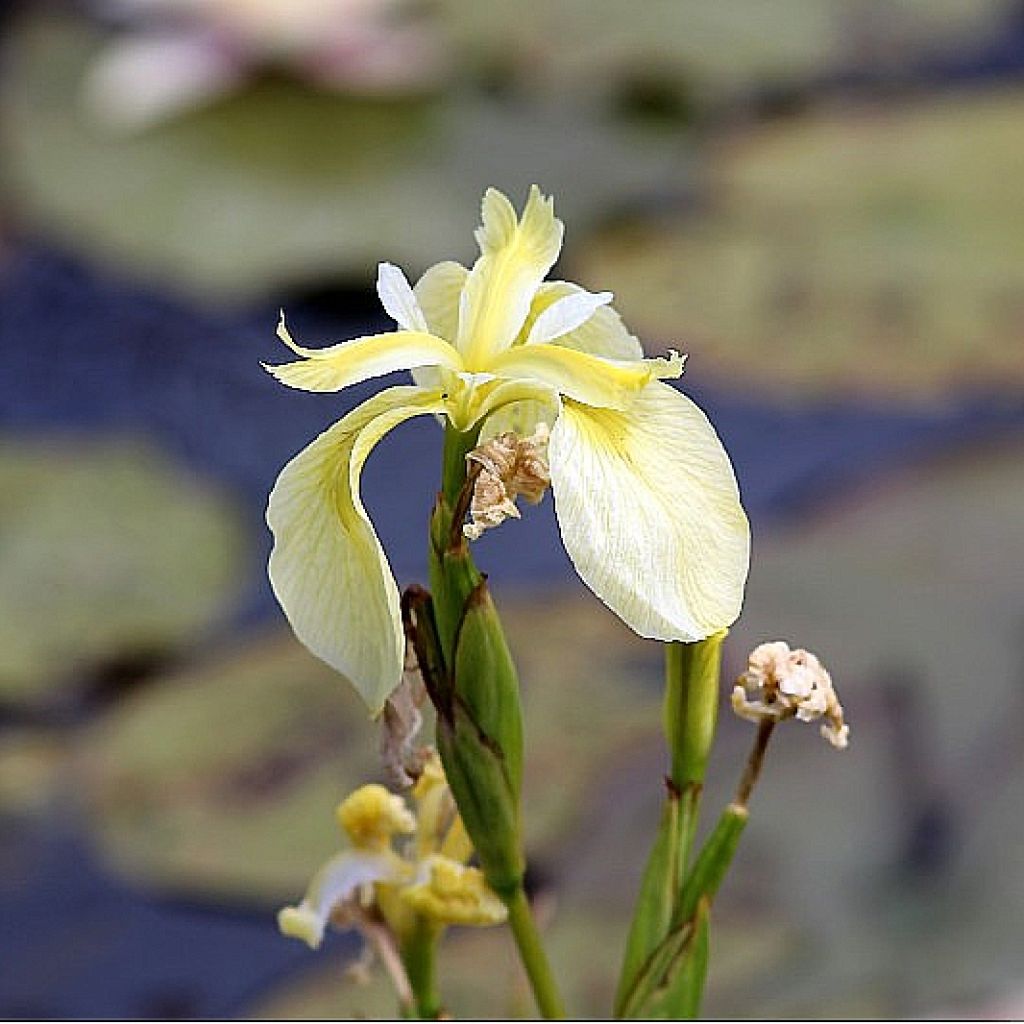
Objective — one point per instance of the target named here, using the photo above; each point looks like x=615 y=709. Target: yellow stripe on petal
x=336 y=367
x=327 y=567
x=516 y=255
x=650 y=513
x=608 y=383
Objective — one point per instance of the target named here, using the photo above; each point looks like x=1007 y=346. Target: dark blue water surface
x=83 y=352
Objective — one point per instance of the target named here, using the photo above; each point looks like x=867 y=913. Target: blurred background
x=820 y=202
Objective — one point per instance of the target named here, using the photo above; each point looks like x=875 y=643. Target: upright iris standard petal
x=327 y=568
x=609 y=383
x=336 y=367
x=650 y=515
x=515 y=256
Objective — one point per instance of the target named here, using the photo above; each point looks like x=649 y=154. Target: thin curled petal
x=397 y=298
x=516 y=254
x=327 y=568
x=566 y=314
x=336 y=367
x=603 y=334
x=335 y=883
x=608 y=383
x=649 y=512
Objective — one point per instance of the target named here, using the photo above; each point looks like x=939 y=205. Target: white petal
x=327 y=568
x=650 y=514
x=566 y=314
x=398 y=300
x=332 y=885
x=602 y=335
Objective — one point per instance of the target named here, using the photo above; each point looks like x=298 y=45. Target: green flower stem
x=691 y=715
x=418 y=951
x=479 y=719
x=531 y=952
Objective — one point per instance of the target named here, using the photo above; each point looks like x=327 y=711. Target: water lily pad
x=109 y=551
x=721 y=50
x=222 y=780
x=868 y=252
x=280 y=184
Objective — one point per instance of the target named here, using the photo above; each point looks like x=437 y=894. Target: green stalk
x=533 y=957
x=479 y=720
x=418 y=951
x=690 y=716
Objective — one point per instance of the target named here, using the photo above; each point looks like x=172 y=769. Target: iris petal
x=515 y=255
x=608 y=383
x=327 y=568
x=336 y=367
x=650 y=515
x=337 y=881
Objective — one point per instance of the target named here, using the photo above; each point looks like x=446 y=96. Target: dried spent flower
x=401 y=721
x=508 y=466
x=781 y=682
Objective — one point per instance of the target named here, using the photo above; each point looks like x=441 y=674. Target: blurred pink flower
x=180 y=54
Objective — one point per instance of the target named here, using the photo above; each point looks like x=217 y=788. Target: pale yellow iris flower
x=400 y=865
x=645 y=495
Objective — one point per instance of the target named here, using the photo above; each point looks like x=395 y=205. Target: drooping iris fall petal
x=649 y=513
x=327 y=568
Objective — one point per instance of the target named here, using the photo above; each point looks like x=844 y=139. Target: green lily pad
x=721 y=50
x=222 y=780
x=865 y=252
x=108 y=551
x=280 y=184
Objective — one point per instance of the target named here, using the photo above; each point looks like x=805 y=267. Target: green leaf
x=653 y=914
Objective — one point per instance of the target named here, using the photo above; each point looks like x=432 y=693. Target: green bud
x=691 y=705
x=478 y=775
x=487 y=682
x=480 y=729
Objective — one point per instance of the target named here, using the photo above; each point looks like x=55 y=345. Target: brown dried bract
x=507 y=466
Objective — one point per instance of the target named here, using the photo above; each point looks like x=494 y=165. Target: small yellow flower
x=644 y=492
x=401 y=865
x=454 y=893
x=372 y=815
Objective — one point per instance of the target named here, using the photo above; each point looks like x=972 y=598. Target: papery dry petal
x=784 y=683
